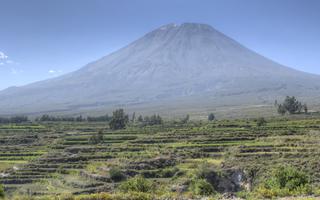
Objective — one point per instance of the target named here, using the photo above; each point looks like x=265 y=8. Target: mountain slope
x=174 y=61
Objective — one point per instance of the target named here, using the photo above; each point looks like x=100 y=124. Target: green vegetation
x=15 y=119
x=116 y=174
x=211 y=117
x=292 y=106
x=152 y=120
x=185 y=119
x=80 y=160
x=285 y=181
x=137 y=184
x=202 y=187
x=96 y=138
x=1 y=192
x=119 y=120
x=48 y=118
x=261 y=122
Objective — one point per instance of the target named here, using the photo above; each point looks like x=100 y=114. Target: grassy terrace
x=57 y=158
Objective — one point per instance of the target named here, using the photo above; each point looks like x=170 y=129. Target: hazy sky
x=40 y=39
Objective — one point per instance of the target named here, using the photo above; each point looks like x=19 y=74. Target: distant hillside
x=179 y=65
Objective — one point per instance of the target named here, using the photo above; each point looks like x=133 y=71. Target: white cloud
x=54 y=72
x=3 y=56
x=9 y=64
x=16 y=71
x=5 y=61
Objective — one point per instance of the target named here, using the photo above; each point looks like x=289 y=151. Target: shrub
x=137 y=184
x=205 y=171
x=116 y=174
x=169 y=172
x=202 y=187
x=96 y=138
x=132 y=196
x=1 y=192
x=285 y=181
x=100 y=196
x=287 y=177
x=261 y=121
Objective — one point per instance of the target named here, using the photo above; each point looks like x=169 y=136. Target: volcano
x=185 y=62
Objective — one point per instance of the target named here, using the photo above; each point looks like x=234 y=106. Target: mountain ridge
x=172 y=61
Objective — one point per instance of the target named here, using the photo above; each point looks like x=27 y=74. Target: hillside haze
x=188 y=61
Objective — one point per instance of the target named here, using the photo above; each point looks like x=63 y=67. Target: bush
x=116 y=174
x=100 y=196
x=1 y=192
x=169 y=172
x=132 y=196
x=261 y=121
x=96 y=138
x=117 y=196
x=202 y=187
x=285 y=181
x=205 y=171
x=287 y=177
x=137 y=184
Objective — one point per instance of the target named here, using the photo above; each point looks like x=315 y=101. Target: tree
x=146 y=119
x=102 y=118
x=133 y=119
x=261 y=121
x=185 y=119
x=79 y=119
x=281 y=109
x=140 y=118
x=96 y=138
x=119 y=120
x=152 y=120
x=211 y=117
x=15 y=119
x=305 y=108
x=291 y=105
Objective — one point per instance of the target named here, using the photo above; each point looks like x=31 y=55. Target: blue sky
x=41 y=39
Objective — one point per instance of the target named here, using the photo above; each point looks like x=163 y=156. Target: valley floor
x=194 y=160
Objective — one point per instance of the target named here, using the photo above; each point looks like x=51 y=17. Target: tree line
x=291 y=106
x=120 y=119
x=50 y=118
x=14 y=119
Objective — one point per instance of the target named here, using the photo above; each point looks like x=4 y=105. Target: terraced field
x=39 y=159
